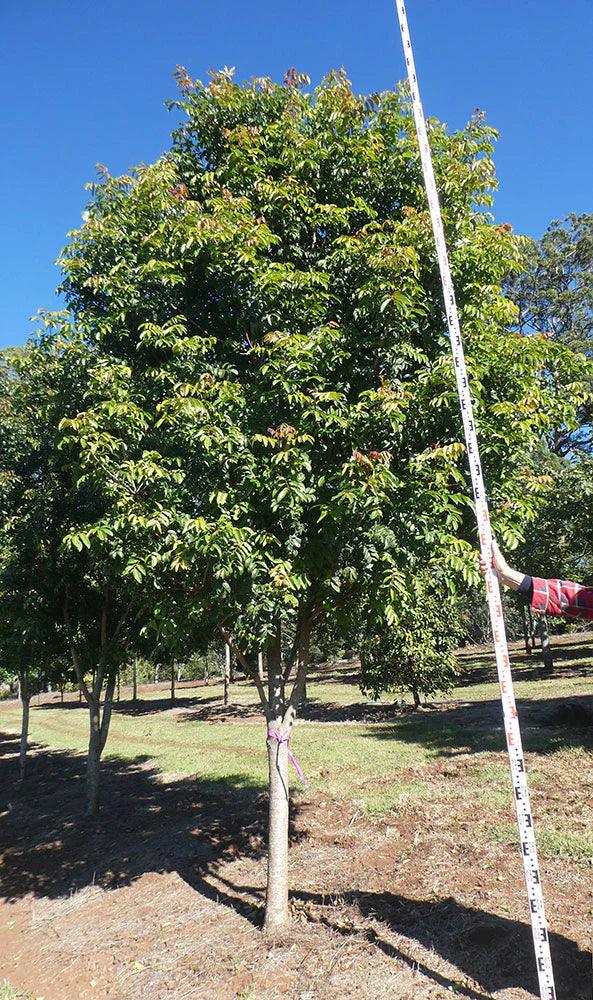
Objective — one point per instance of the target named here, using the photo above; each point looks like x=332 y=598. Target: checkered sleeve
x=562 y=597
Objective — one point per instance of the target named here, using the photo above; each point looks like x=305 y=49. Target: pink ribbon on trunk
x=273 y=735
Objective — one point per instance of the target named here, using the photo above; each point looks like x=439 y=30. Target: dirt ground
x=161 y=899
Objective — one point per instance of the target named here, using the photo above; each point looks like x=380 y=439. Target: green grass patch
x=553 y=843
x=8 y=992
x=350 y=759
x=381 y=800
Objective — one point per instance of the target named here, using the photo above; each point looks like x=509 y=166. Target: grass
x=7 y=992
x=553 y=843
x=454 y=754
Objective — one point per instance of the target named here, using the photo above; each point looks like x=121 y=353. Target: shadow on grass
x=147 y=823
x=142 y=706
x=495 y=951
x=479 y=667
x=188 y=826
x=547 y=726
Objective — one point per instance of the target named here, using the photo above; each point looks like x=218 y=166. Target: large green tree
x=271 y=408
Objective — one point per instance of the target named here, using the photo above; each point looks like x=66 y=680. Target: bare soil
x=162 y=897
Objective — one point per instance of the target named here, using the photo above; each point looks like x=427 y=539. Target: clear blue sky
x=84 y=82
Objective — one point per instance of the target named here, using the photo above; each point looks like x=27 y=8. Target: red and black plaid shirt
x=559 y=597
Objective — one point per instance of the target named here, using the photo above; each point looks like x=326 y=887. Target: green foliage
x=270 y=409
x=554 y=298
x=560 y=542
x=417 y=652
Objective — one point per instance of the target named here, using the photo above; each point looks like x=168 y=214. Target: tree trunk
x=25 y=702
x=546 y=648
x=157 y=673
x=118 y=683
x=277 y=887
x=531 y=627
x=525 y=628
x=93 y=760
x=304 y=697
x=107 y=706
x=172 y=680
x=416 y=697
x=134 y=681
x=227 y=674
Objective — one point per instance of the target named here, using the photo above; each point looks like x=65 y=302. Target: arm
x=562 y=597
x=509 y=577
x=551 y=597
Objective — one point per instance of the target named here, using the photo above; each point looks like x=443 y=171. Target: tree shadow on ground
x=147 y=823
x=495 y=951
x=313 y=711
x=142 y=706
x=451 y=727
x=480 y=667
x=153 y=824
x=548 y=725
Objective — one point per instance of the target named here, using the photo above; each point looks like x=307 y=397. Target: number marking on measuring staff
x=511 y=722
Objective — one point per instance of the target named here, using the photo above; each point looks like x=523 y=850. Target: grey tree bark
x=525 y=628
x=276 y=915
x=277 y=883
x=93 y=759
x=227 y=674
x=546 y=648
x=280 y=713
x=281 y=718
x=25 y=696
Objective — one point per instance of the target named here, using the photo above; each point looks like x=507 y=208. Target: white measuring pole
x=511 y=722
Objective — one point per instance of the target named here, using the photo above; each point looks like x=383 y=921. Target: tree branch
x=73 y=650
x=253 y=674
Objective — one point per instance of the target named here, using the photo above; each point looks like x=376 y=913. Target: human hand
x=510 y=577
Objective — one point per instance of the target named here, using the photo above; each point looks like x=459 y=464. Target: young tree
x=29 y=643
x=75 y=598
x=264 y=308
x=417 y=653
x=559 y=543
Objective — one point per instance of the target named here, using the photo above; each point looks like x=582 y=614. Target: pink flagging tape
x=511 y=722
x=273 y=735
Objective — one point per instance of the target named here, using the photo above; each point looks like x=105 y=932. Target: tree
x=560 y=542
x=272 y=407
x=29 y=642
x=417 y=653
x=63 y=596
x=554 y=297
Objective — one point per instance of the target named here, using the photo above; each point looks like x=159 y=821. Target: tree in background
x=30 y=641
x=76 y=597
x=560 y=542
x=270 y=406
x=554 y=297
x=417 y=653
